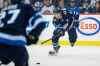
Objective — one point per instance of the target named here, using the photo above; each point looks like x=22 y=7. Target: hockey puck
x=51 y=52
x=37 y=63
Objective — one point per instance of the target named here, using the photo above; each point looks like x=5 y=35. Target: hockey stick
x=46 y=41
x=51 y=38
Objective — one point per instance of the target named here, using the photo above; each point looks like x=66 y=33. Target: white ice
x=67 y=56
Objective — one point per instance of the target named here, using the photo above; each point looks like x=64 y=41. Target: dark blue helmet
x=16 y=1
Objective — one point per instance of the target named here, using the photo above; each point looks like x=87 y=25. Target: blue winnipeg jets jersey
x=13 y=23
x=14 y=19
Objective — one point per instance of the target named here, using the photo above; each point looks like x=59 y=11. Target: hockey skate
x=56 y=50
x=72 y=44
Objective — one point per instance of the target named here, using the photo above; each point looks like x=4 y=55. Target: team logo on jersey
x=89 y=26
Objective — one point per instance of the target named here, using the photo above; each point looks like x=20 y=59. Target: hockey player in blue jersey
x=14 y=20
x=68 y=21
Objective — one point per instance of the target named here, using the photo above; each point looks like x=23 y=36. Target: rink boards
x=88 y=31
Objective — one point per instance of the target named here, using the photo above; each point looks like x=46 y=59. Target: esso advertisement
x=89 y=28
x=89 y=25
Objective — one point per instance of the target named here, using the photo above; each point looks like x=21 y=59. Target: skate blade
x=52 y=53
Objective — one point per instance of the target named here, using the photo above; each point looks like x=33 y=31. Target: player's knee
x=59 y=32
x=55 y=39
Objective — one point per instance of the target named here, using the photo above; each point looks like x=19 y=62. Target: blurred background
x=86 y=6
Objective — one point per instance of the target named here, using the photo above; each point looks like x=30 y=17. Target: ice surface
x=67 y=56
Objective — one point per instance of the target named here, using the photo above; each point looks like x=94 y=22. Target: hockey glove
x=32 y=39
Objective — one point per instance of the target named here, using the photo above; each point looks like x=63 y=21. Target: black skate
x=72 y=44
x=56 y=49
